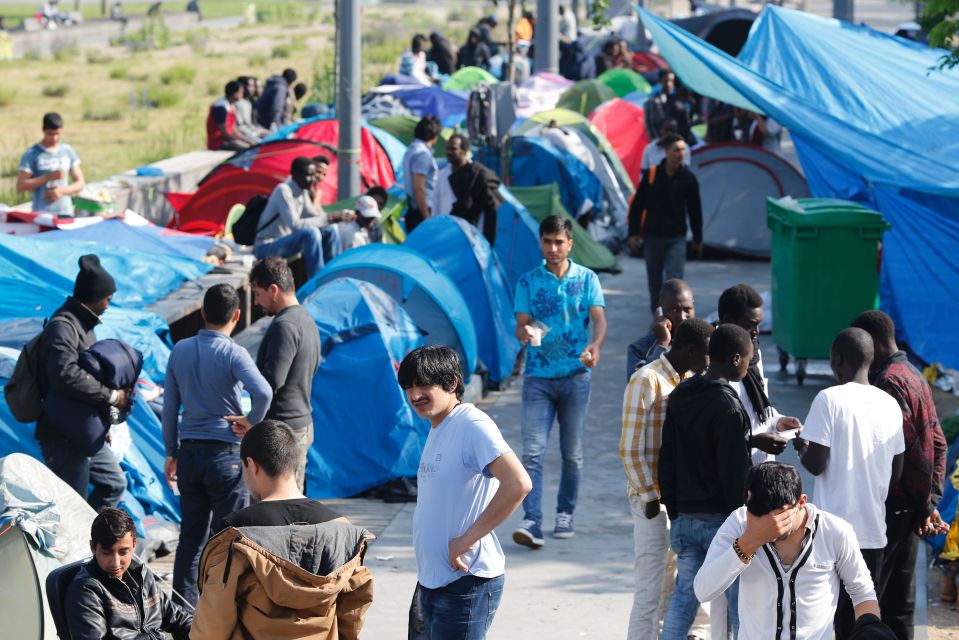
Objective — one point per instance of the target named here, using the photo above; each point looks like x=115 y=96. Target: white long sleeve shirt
x=798 y=601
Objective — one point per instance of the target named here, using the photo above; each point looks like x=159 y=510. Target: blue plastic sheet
x=147 y=238
x=448 y=106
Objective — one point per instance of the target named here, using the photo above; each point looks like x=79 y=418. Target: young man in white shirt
x=469 y=481
x=790 y=558
x=853 y=443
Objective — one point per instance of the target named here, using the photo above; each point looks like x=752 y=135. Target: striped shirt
x=644 y=411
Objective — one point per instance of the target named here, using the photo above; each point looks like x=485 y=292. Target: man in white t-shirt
x=853 y=443
x=469 y=481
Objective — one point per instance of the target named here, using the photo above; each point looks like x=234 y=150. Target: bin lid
x=823 y=212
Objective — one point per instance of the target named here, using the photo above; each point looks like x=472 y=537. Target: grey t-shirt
x=288 y=358
x=39 y=161
x=419 y=159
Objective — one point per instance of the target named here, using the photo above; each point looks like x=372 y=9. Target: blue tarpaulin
x=147 y=238
x=872 y=122
x=448 y=106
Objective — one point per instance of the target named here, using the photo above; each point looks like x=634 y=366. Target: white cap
x=366 y=207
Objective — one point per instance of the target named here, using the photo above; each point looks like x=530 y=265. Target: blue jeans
x=565 y=400
x=689 y=536
x=461 y=610
x=80 y=471
x=665 y=260
x=317 y=246
x=210 y=480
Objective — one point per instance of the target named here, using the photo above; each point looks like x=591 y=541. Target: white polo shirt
x=797 y=602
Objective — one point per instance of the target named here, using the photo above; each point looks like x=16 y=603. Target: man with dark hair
x=271 y=106
x=45 y=167
x=288 y=356
x=794 y=584
x=114 y=596
x=469 y=481
x=467 y=188
x=911 y=504
x=205 y=375
x=556 y=304
x=853 y=443
x=291 y=224
x=246 y=109
x=743 y=306
x=344 y=215
x=667 y=194
x=419 y=167
x=644 y=409
x=222 y=133
x=676 y=305
x=703 y=463
x=67 y=334
x=654 y=153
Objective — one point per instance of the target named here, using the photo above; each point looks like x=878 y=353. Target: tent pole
x=348 y=98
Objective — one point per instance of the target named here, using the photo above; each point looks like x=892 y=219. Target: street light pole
x=842 y=10
x=547 y=36
x=348 y=97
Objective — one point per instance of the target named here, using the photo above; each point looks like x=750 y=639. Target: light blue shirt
x=419 y=159
x=39 y=161
x=563 y=306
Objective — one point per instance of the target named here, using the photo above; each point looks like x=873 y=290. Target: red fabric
x=647 y=62
x=624 y=125
x=375 y=167
x=214 y=138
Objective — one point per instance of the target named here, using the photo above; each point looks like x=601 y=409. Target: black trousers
x=845 y=617
x=897 y=581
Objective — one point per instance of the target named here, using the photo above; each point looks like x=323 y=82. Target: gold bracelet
x=739 y=552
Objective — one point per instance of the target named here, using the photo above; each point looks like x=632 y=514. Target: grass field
x=14 y=12
x=123 y=108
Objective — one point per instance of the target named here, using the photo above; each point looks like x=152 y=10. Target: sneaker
x=564 y=526
x=529 y=535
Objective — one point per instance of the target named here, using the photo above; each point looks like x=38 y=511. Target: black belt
x=220 y=444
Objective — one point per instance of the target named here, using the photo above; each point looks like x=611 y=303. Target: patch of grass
x=119 y=72
x=32 y=54
x=180 y=73
x=160 y=96
x=98 y=112
x=63 y=51
x=55 y=90
x=95 y=56
x=197 y=40
x=140 y=120
x=214 y=87
x=281 y=51
x=9 y=195
x=7 y=95
x=256 y=60
x=10 y=153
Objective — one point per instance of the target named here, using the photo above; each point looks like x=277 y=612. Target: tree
x=940 y=20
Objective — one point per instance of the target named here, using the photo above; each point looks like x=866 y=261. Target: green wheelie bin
x=825 y=272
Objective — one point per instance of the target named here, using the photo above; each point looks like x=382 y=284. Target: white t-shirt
x=756 y=425
x=454 y=488
x=862 y=426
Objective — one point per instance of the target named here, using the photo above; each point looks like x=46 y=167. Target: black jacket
x=667 y=202
x=60 y=369
x=704 y=456
x=99 y=606
x=476 y=189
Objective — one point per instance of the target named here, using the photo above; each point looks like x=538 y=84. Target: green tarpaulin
x=467 y=78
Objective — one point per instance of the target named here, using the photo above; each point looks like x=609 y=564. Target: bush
x=7 y=94
x=96 y=112
x=98 y=57
x=119 y=72
x=179 y=73
x=256 y=60
x=55 y=90
x=63 y=51
x=161 y=96
x=214 y=87
x=281 y=51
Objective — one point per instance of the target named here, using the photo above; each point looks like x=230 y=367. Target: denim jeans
x=690 y=536
x=545 y=400
x=317 y=246
x=80 y=471
x=665 y=260
x=461 y=610
x=210 y=480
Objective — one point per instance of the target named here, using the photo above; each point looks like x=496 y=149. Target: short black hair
x=300 y=164
x=289 y=75
x=378 y=193
x=673 y=287
x=669 y=140
x=231 y=87
x=726 y=341
x=464 y=140
x=771 y=486
x=273 y=446
x=428 y=128
x=219 y=303
x=299 y=90
x=737 y=300
x=52 y=120
x=432 y=364
x=855 y=346
x=416 y=45
x=877 y=324
x=272 y=270
x=321 y=160
x=556 y=224
x=110 y=526
x=693 y=334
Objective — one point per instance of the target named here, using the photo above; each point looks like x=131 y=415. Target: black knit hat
x=93 y=282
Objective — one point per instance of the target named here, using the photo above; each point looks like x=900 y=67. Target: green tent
x=544 y=200
x=467 y=78
x=402 y=128
x=584 y=96
x=624 y=81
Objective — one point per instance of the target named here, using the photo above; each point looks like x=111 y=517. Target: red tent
x=624 y=125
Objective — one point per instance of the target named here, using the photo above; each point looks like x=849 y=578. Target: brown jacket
x=297 y=581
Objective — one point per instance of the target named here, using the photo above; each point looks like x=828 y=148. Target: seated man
x=676 y=305
x=790 y=558
x=114 y=595
x=359 y=231
x=222 y=132
x=290 y=224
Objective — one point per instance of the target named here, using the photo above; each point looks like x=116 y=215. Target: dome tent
x=584 y=96
x=624 y=81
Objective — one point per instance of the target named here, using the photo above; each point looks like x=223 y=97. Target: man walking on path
x=555 y=305
x=68 y=333
x=205 y=375
x=911 y=504
x=289 y=354
x=667 y=194
x=469 y=481
x=703 y=464
x=853 y=443
x=676 y=305
x=644 y=409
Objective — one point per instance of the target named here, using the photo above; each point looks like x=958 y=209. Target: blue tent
x=517 y=238
x=424 y=292
x=146 y=238
x=537 y=162
x=460 y=251
x=871 y=123
x=366 y=433
x=448 y=106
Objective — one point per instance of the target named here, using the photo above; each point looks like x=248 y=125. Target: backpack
x=22 y=390
x=248 y=224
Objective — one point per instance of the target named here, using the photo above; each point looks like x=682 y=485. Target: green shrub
x=256 y=60
x=214 y=87
x=98 y=57
x=7 y=94
x=55 y=90
x=140 y=120
x=197 y=40
x=63 y=51
x=97 y=112
x=119 y=72
x=281 y=51
x=161 y=96
x=179 y=73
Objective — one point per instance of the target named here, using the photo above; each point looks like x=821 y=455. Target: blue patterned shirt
x=563 y=306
